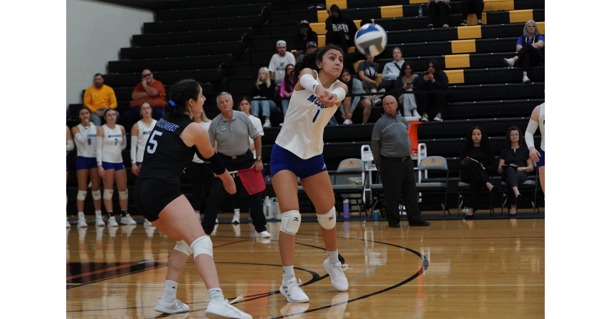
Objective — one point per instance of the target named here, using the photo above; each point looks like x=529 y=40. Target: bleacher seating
x=223 y=44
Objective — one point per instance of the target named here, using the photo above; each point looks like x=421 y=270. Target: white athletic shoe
x=99 y=221
x=82 y=222
x=112 y=222
x=293 y=292
x=68 y=224
x=226 y=310
x=235 y=219
x=127 y=220
x=175 y=306
x=337 y=277
x=264 y=234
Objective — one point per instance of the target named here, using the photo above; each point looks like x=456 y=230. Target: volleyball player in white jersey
x=139 y=136
x=86 y=170
x=536 y=121
x=111 y=141
x=297 y=153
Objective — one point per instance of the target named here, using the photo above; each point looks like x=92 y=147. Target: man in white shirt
x=279 y=61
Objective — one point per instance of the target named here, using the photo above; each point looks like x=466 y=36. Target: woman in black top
x=476 y=161
x=514 y=165
x=169 y=149
x=263 y=95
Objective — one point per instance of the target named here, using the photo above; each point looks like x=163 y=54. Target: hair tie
x=172 y=103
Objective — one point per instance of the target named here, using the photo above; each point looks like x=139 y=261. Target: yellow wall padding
x=470 y=32
x=418 y=1
x=455 y=76
x=358 y=23
x=496 y=5
x=318 y=27
x=342 y=4
x=455 y=61
x=322 y=15
x=356 y=64
x=321 y=40
x=463 y=46
x=391 y=11
x=540 y=26
x=520 y=15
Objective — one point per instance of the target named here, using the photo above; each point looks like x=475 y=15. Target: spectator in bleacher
x=69 y=147
x=86 y=169
x=367 y=73
x=438 y=12
x=340 y=30
x=231 y=131
x=245 y=106
x=140 y=132
x=279 y=61
x=302 y=38
x=99 y=97
x=472 y=6
x=529 y=49
x=288 y=83
x=297 y=153
x=355 y=98
x=263 y=95
x=111 y=141
x=431 y=92
x=391 y=70
x=311 y=48
x=148 y=90
x=404 y=87
x=391 y=148
x=536 y=121
x=477 y=161
x=514 y=165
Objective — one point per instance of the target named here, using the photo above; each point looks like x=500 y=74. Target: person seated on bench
x=514 y=164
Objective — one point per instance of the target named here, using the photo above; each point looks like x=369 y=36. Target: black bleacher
x=223 y=43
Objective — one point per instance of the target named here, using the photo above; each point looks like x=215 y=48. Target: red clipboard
x=253 y=180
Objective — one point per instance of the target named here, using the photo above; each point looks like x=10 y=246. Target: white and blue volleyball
x=371 y=39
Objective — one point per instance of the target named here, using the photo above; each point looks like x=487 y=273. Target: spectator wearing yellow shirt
x=99 y=97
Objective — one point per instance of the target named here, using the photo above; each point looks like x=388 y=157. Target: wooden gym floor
x=492 y=268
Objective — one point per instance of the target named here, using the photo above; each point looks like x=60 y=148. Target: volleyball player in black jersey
x=170 y=148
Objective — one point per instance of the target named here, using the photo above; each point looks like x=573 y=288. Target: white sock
x=333 y=256
x=98 y=213
x=169 y=292
x=288 y=273
x=216 y=294
x=81 y=215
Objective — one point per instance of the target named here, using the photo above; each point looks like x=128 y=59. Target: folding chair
x=429 y=165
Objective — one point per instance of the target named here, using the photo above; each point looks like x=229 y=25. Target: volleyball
x=371 y=39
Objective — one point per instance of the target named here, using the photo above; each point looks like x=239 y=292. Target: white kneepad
x=123 y=194
x=108 y=193
x=291 y=221
x=328 y=220
x=97 y=195
x=81 y=195
x=202 y=245
x=182 y=247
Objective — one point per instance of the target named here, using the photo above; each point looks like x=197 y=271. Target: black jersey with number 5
x=165 y=154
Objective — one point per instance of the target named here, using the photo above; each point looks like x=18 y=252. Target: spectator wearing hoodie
x=340 y=29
